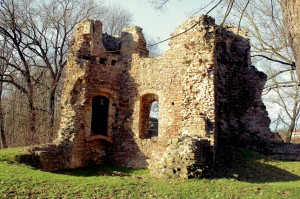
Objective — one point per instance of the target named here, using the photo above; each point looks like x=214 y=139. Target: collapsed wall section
x=242 y=119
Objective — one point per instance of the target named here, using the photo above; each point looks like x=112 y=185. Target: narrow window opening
x=149 y=116
x=113 y=62
x=100 y=107
x=102 y=60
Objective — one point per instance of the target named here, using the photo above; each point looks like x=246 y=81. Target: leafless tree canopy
x=271 y=50
x=115 y=19
x=35 y=36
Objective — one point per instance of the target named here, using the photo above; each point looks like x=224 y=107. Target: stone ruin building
x=208 y=92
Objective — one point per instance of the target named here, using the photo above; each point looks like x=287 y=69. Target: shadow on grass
x=249 y=166
x=89 y=171
x=105 y=170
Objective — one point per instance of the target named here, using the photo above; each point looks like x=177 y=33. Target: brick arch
x=106 y=93
x=145 y=105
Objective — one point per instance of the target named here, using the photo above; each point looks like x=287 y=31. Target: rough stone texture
x=209 y=97
x=50 y=157
x=173 y=78
x=242 y=116
x=186 y=156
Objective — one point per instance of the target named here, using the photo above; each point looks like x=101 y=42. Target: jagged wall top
x=93 y=43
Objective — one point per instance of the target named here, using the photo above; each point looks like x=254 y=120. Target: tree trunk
x=291 y=15
x=32 y=118
x=52 y=112
x=290 y=131
x=2 y=132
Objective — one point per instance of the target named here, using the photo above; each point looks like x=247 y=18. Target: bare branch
x=293 y=65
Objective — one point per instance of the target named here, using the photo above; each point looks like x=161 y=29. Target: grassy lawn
x=251 y=175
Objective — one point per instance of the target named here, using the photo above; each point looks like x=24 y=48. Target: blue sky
x=160 y=23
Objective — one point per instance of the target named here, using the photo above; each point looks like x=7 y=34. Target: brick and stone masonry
x=208 y=92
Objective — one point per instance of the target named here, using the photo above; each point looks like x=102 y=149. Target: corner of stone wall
x=186 y=156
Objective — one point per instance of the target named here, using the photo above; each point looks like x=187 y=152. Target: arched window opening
x=149 y=116
x=100 y=109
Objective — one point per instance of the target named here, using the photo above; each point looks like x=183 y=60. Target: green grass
x=250 y=175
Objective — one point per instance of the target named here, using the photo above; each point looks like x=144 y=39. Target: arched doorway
x=100 y=108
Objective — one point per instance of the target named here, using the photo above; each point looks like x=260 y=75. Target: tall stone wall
x=99 y=74
x=91 y=71
x=183 y=81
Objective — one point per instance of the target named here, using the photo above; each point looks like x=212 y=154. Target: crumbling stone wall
x=187 y=156
x=184 y=83
x=91 y=71
x=242 y=116
x=201 y=83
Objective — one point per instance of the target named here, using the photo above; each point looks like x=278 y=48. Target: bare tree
x=271 y=49
x=20 y=76
x=154 y=50
x=158 y=4
x=269 y=39
x=39 y=33
x=3 y=68
x=291 y=15
x=115 y=19
x=288 y=102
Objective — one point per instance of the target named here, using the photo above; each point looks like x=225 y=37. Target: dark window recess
x=100 y=115
x=102 y=60
x=113 y=62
